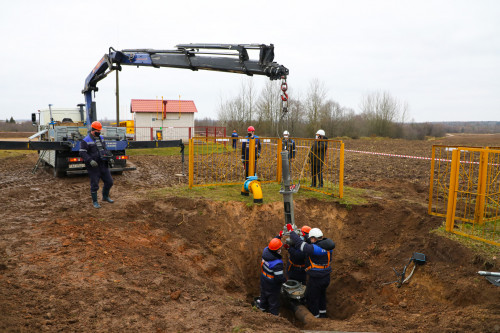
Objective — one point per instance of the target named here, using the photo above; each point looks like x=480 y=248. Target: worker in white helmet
x=289 y=145
x=318 y=258
x=317 y=158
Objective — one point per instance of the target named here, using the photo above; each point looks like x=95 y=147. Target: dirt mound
x=176 y=264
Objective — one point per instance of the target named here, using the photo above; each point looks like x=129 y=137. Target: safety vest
x=316 y=267
x=267 y=267
x=294 y=265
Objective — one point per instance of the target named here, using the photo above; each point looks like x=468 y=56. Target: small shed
x=162 y=119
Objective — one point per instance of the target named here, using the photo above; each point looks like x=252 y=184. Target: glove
x=111 y=163
x=289 y=227
x=280 y=234
x=93 y=164
x=258 y=155
x=286 y=246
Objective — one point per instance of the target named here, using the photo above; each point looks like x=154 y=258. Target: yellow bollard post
x=251 y=157
x=452 y=195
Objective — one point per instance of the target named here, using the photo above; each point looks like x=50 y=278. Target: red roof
x=155 y=105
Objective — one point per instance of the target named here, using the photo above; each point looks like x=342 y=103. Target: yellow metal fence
x=223 y=161
x=465 y=188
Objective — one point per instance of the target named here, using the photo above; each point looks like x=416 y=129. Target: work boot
x=105 y=195
x=94 y=200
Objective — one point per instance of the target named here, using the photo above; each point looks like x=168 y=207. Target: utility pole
x=117 y=101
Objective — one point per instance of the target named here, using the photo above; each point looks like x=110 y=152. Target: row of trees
x=380 y=114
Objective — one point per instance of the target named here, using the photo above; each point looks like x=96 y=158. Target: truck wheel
x=58 y=173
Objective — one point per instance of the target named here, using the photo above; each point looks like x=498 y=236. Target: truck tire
x=58 y=173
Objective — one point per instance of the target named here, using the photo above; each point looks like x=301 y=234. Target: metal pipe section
x=287 y=192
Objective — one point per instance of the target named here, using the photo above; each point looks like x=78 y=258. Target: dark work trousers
x=297 y=275
x=99 y=172
x=316 y=294
x=270 y=299
x=234 y=143
x=317 y=170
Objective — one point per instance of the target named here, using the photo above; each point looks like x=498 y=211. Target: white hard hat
x=320 y=132
x=285 y=133
x=316 y=233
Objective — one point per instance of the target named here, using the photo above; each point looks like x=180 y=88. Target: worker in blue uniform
x=296 y=265
x=245 y=150
x=234 y=135
x=271 y=277
x=97 y=159
x=318 y=257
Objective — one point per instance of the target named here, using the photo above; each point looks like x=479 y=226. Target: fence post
x=191 y=162
x=341 y=171
x=251 y=157
x=481 y=188
x=452 y=194
x=279 y=146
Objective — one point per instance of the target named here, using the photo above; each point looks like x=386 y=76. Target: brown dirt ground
x=176 y=264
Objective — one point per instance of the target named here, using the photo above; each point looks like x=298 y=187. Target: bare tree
x=382 y=112
x=314 y=104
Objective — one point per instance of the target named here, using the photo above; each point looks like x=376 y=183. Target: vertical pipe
x=191 y=162
x=251 y=157
x=452 y=195
x=341 y=171
x=287 y=193
x=117 y=101
x=431 y=187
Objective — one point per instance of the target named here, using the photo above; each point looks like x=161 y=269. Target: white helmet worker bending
x=315 y=233
x=320 y=133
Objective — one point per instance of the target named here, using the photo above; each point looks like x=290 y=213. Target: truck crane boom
x=188 y=56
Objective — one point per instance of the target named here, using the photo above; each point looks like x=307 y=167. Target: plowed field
x=174 y=264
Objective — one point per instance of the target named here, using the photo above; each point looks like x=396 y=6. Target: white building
x=163 y=119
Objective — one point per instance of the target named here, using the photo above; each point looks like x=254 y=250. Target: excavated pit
x=191 y=264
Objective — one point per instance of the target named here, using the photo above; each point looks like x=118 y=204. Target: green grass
x=270 y=192
x=157 y=151
x=15 y=153
x=476 y=246
x=201 y=149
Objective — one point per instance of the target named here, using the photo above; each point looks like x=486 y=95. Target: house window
x=153 y=119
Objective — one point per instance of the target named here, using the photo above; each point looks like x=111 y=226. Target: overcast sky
x=441 y=57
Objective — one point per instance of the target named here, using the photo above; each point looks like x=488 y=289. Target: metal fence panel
x=221 y=161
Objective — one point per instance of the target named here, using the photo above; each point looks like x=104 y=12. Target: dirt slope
x=175 y=264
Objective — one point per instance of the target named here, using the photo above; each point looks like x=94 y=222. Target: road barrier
x=219 y=161
x=465 y=189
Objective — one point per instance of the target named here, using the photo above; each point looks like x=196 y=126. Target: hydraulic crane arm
x=232 y=58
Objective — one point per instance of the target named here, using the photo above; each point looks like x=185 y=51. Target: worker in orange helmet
x=271 y=278
x=296 y=266
x=234 y=135
x=97 y=159
x=245 y=149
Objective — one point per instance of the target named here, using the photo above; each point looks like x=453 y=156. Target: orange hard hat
x=305 y=229
x=275 y=244
x=96 y=125
x=251 y=129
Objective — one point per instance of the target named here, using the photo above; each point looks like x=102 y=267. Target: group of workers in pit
x=309 y=257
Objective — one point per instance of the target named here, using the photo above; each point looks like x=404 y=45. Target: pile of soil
x=149 y=263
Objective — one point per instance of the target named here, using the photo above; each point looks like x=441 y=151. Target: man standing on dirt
x=317 y=157
x=272 y=278
x=318 y=258
x=97 y=159
x=235 y=140
x=245 y=150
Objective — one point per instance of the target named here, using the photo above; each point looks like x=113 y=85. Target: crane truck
x=59 y=141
